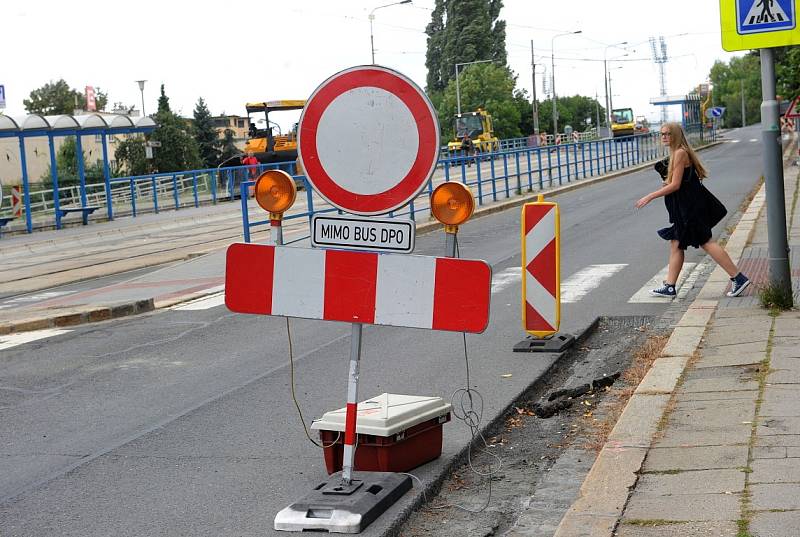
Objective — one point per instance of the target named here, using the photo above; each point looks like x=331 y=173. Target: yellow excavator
x=266 y=144
x=622 y=122
x=478 y=126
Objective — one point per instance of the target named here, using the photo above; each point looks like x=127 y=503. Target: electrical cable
x=294 y=396
x=466 y=412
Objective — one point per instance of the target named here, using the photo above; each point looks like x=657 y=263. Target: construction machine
x=622 y=122
x=269 y=144
x=478 y=127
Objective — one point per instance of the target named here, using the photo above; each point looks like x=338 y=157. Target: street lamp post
x=535 y=106
x=610 y=97
x=141 y=89
x=458 y=89
x=553 y=77
x=605 y=79
x=372 y=18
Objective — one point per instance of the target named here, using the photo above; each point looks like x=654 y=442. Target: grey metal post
x=744 y=115
x=450 y=242
x=779 y=274
x=553 y=90
x=605 y=86
x=535 y=107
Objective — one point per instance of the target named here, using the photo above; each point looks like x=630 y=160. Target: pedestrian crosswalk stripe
x=584 y=281
x=508 y=277
x=643 y=295
x=13 y=340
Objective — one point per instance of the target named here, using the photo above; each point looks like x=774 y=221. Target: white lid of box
x=386 y=415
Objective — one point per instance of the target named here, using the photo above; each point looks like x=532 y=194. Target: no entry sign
x=368 y=140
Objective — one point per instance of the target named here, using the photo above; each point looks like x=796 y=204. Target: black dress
x=693 y=211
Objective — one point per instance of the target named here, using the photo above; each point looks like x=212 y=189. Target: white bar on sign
x=540 y=235
x=540 y=298
x=298 y=283
x=404 y=294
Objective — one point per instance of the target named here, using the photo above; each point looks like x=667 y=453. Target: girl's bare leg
x=676 y=256
x=722 y=258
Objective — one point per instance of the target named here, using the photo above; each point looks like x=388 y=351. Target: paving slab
x=694 y=507
x=691 y=482
x=785 y=351
x=674 y=437
x=784 y=440
x=637 y=424
x=778 y=426
x=749 y=395
x=770 y=452
x=684 y=341
x=729 y=359
x=776 y=524
x=663 y=376
x=720 y=413
x=737 y=335
x=781 y=400
x=696 y=458
x=775 y=496
x=775 y=471
x=728 y=384
x=679 y=529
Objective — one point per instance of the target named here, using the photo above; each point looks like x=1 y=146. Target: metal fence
x=500 y=175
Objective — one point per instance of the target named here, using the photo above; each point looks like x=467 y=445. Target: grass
x=643 y=357
x=775 y=298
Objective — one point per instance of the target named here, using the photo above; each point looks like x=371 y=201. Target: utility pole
x=779 y=274
x=744 y=117
x=535 y=106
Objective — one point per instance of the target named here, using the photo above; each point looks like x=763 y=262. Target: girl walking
x=693 y=211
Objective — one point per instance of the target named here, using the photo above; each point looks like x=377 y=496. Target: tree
x=728 y=79
x=130 y=155
x=178 y=150
x=572 y=111
x=229 y=148
x=463 y=31
x=58 y=98
x=487 y=86
x=67 y=166
x=206 y=135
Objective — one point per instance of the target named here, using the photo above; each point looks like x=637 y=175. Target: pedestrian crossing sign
x=753 y=24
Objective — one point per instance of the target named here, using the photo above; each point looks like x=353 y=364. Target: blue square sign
x=759 y=16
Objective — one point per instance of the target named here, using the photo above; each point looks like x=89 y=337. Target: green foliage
x=229 y=149
x=775 y=297
x=130 y=156
x=486 y=86
x=58 y=98
x=787 y=71
x=728 y=80
x=179 y=150
x=67 y=166
x=206 y=135
x=572 y=111
x=463 y=31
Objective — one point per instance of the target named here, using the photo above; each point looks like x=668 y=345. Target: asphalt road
x=182 y=422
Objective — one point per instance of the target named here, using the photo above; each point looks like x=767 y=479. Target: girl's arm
x=681 y=160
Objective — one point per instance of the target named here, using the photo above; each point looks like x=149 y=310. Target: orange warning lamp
x=452 y=204
x=275 y=192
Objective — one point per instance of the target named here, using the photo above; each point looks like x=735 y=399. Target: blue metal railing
x=513 y=171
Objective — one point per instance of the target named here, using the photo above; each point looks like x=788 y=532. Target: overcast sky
x=233 y=52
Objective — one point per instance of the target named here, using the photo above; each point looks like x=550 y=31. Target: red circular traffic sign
x=368 y=140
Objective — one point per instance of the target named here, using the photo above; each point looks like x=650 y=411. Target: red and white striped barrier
x=16 y=201
x=437 y=293
x=541 y=276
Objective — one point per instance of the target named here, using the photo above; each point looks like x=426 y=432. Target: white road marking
x=735 y=141
x=508 y=277
x=643 y=295
x=207 y=302
x=12 y=340
x=584 y=281
x=39 y=297
x=754 y=140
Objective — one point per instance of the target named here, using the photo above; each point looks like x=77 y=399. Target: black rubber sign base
x=339 y=508
x=558 y=342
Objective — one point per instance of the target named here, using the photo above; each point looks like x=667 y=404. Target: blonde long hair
x=677 y=140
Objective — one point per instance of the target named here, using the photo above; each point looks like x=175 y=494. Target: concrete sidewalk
x=709 y=444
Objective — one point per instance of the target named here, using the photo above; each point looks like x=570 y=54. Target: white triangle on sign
x=764 y=12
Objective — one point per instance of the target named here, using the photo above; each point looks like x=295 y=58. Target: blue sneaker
x=667 y=290
x=738 y=284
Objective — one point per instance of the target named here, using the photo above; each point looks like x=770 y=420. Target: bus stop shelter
x=691 y=116
x=67 y=125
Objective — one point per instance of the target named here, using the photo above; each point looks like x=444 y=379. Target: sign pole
x=348 y=461
x=779 y=274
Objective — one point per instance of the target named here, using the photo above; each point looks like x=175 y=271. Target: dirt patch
x=485 y=497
